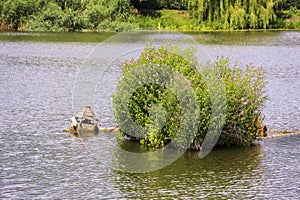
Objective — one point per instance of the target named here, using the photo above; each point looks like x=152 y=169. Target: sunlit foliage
x=245 y=98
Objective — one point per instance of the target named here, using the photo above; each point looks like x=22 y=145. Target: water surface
x=39 y=161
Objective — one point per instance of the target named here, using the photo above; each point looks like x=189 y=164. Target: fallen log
x=276 y=133
x=109 y=129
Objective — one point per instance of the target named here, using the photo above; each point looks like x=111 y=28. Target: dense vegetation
x=73 y=15
x=245 y=99
x=65 y=15
x=223 y=14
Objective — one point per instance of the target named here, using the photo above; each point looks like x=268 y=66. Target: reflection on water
x=223 y=173
x=39 y=161
x=266 y=171
x=252 y=38
x=54 y=37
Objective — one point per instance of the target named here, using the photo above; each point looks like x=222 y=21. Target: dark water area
x=251 y=38
x=57 y=37
x=39 y=161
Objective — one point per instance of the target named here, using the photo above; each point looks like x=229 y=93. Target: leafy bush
x=75 y=15
x=244 y=93
x=245 y=98
x=49 y=18
x=17 y=12
x=117 y=26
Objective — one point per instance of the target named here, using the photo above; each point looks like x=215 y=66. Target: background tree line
x=64 y=15
x=71 y=15
x=230 y=14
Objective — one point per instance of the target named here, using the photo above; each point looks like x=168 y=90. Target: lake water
x=38 y=160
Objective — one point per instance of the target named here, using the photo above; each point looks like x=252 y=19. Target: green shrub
x=50 y=18
x=244 y=95
x=245 y=98
x=17 y=12
x=107 y=25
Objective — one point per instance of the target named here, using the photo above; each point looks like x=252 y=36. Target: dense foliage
x=66 y=15
x=245 y=99
x=73 y=15
x=238 y=14
x=228 y=14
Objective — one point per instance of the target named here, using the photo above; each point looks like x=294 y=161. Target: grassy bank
x=168 y=20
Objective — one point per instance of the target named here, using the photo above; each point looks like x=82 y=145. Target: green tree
x=49 y=18
x=74 y=20
x=17 y=12
x=236 y=14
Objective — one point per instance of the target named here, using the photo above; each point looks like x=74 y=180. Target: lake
x=38 y=160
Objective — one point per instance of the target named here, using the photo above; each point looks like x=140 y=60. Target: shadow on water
x=223 y=173
x=243 y=38
x=255 y=38
x=55 y=37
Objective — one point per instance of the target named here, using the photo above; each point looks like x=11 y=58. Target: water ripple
x=39 y=161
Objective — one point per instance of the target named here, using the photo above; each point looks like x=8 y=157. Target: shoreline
x=96 y=37
x=150 y=29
